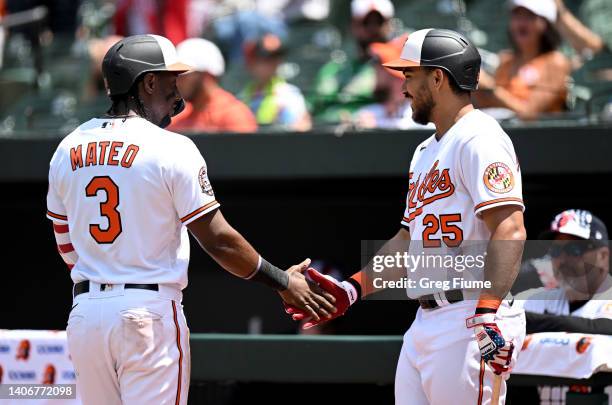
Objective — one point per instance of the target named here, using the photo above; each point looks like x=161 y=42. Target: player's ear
x=149 y=81
x=436 y=78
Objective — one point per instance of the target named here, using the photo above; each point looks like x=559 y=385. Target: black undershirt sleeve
x=563 y=323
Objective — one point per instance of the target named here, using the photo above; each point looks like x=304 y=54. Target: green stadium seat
x=589 y=91
x=14 y=84
x=42 y=113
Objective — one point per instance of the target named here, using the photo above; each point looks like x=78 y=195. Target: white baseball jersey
x=127 y=188
x=473 y=167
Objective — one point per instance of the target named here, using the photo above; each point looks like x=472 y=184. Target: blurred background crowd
x=298 y=65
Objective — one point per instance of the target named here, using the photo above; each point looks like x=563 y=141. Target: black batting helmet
x=133 y=56
x=444 y=49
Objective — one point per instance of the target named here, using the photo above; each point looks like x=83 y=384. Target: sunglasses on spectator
x=573 y=249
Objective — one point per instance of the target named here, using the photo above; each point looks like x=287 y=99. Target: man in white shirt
x=465 y=194
x=122 y=194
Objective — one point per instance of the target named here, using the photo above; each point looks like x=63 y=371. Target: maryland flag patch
x=498 y=178
x=204 y=182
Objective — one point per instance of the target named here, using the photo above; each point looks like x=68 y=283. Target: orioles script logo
x=434 y=186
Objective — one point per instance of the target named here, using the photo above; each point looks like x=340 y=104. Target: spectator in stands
x=531 y=78
x=237 y=24
x=167 y=18
x=392 y=110
x=583 y=301
x=234 y=22
x=586 y=42
x=313 y=10
x=209 y=107
x=343 y=85
x=273 y=101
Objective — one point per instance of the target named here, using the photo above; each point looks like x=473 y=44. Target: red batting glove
x=344 y=293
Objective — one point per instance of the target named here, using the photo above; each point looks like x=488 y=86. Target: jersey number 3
x=108 y=209
x=452 y=235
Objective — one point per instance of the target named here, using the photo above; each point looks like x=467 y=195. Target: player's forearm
x=224 y=244
x=400 y=242
x=503 y=261
x=234 y=253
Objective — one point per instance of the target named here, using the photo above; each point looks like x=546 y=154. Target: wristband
x=487 y=304
x=356 y=287
x=351 y=291
x=270 y=275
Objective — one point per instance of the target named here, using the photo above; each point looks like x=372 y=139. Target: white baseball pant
x=130 y=346
x=440 y=362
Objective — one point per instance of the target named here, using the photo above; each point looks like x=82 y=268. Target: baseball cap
x=361 y=8
x=543 y=8
x=267 y=46
x=203 y=55
x=385 y=52
x=579 y=223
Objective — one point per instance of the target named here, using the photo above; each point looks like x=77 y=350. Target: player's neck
x=124 y=111
x=444 y=117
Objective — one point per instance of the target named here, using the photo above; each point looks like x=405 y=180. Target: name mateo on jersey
x=103 y=153
x=434 y=186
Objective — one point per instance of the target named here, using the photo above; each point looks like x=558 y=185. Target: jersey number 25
x=452 y=235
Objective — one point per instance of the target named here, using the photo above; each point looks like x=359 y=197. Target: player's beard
x=179 y=106
x=422 y=106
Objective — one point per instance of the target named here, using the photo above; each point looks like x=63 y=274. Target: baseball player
x=582 y=303
x=465 y=185
x=122 y=194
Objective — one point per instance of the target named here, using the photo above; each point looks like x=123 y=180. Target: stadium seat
x=41 y=113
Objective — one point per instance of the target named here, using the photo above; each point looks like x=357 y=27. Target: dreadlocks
x=121 y=103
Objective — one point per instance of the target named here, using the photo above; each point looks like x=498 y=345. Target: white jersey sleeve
x=192 y=192
x=55 y=207
x=490 y=172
